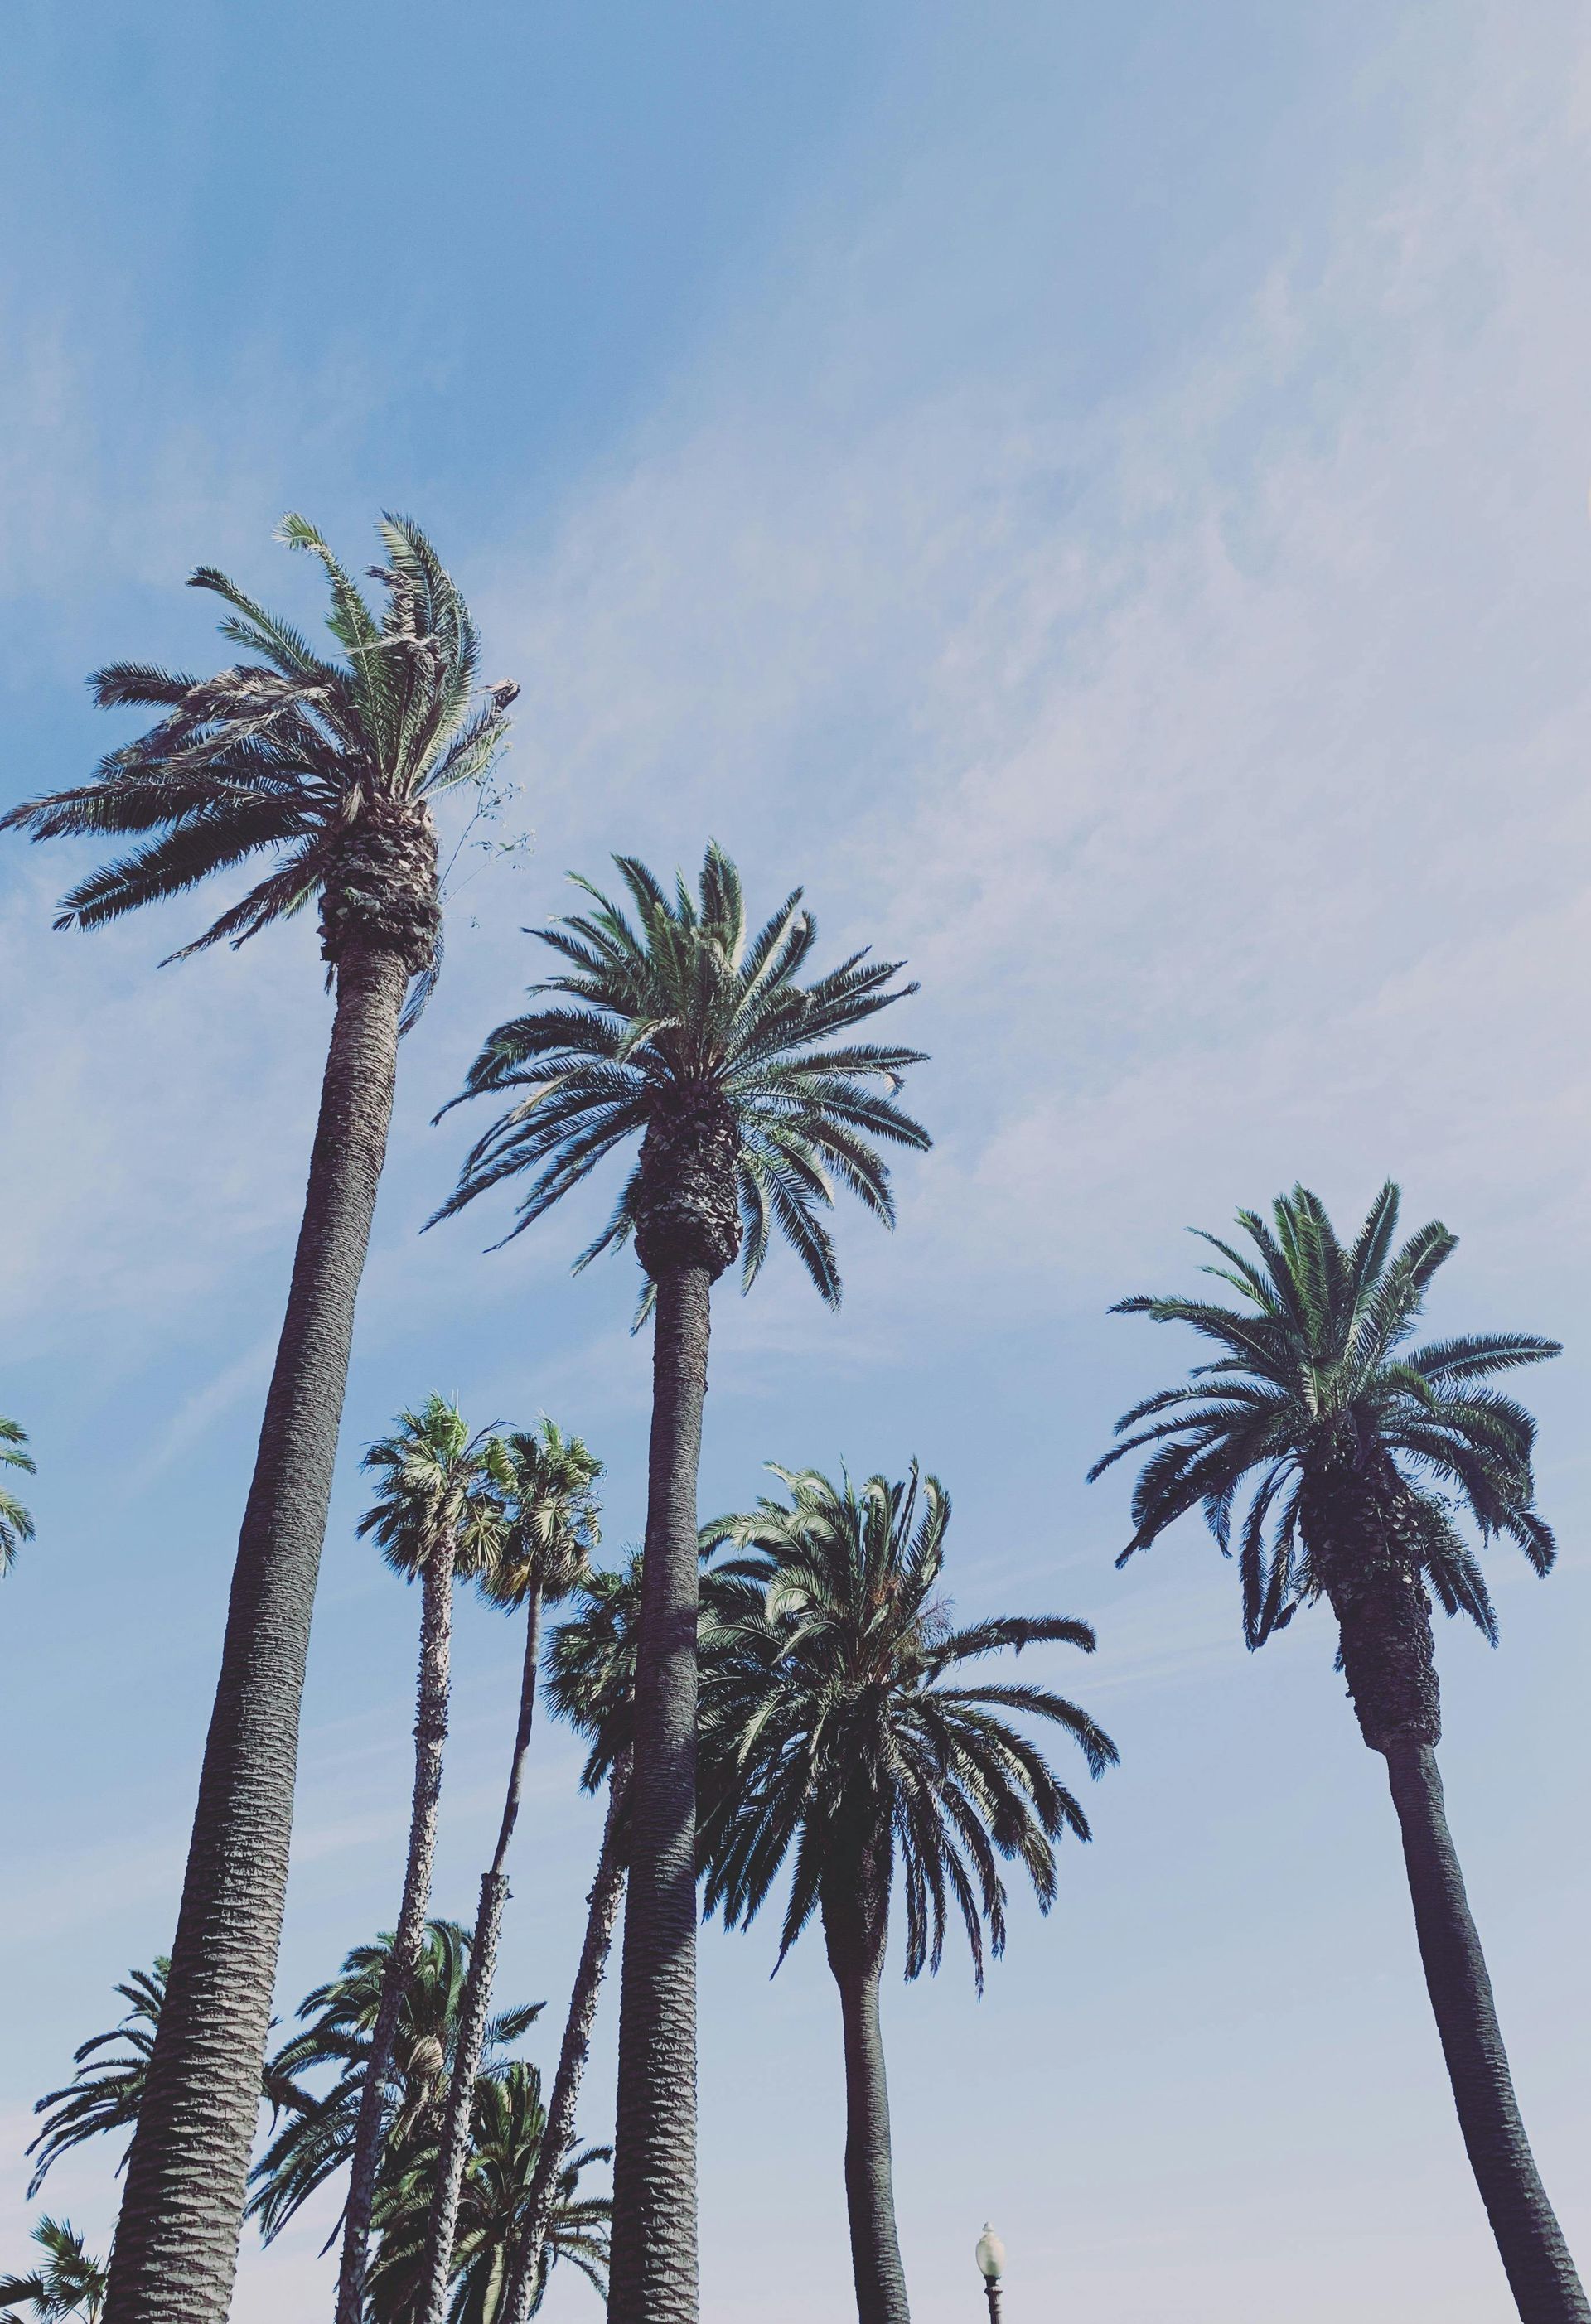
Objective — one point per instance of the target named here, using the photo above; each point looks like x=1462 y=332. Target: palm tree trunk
x=602 y=1913
x=442 y=2223
x=856 y=1941
x=430 y=1735
x=176 y=2244
x=1541 y=2272
x=655 y=2265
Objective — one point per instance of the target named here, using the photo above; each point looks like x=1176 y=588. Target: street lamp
x=991 y=2259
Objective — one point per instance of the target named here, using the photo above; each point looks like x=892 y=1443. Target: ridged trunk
x=602 y=1913
x=176 y=2247
x=854 y=1931
x=431 y=1736
x=654 y=2257
x=1541 y=2274
x=442 y=2225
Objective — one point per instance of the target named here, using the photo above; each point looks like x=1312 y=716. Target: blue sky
x=1100 y=496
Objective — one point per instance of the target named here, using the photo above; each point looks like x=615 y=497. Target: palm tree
x=329 y=766
x=69 y=2284
x=828 y=1731
x=686 y=1031
x=1357 y=1452
x=507 y=2130
x=437 y=1512
x=15 y=1524
x=550 y=1526
x=107 y=2091
x=316 y=2134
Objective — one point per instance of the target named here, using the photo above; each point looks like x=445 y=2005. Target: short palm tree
x=69 y=2284
x=315 y=2129
x=107 y=2091
x=687 y=1031
x=1357 y=1451
x=550 y=1523
x=15 y=1524
x=437 y=1513
x=832 y=1732
x=328 y=767
x=507 y=2129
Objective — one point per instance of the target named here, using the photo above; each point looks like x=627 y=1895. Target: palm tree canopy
x=590 y=1657
x=327 y=765
x=434 y=1478
x=16 y=1526
x=684 y=1028
x=69 y=2284
x=314 y=2136
x=1317 y=1390
x=507 y=2126
x=107 y=2089
x=829 y=1727
x=552 y=1518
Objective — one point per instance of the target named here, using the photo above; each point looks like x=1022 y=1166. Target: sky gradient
x=1099 y=496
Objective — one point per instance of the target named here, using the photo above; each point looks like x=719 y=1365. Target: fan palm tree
x=507 y=2130
x=315 y=2135
x=687 y=1031
x=437 y=1512
x=550 y=1524
x=829 y=1730
x=107 y=2091
x=1357 y=1452
x=15 y=1524
x=328 y=767
x=69 y=2284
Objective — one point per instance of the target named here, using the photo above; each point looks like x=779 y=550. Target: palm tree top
x=70 y=2284
x=324 y=762
x=684 y=1028
x=1316 y=1380
x=436 y=1477
x=829 y=1727
x=552 y=1518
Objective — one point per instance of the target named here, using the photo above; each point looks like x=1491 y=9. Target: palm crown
x=552 y=1519
x=687 y=1031
x=327 y=763
x=1318 y=1397
x=828 y=1725
x=71 y=2282
x=436 y=1480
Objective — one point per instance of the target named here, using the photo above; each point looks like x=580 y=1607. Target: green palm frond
x=16 y=1523
x=1315 y=1383
x=70 y=2284
x=106 y=2092
x=551 y=1517
x=829 y=1737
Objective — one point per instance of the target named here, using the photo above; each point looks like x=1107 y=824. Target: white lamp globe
x=990 y=2255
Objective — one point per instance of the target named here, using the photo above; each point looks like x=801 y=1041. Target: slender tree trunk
x=442 y=2223
x=1541 y=2272
x=430 y=1735
x=602 y=1913
x=654 y=2265
x=856 y=1941
x=176 y=2244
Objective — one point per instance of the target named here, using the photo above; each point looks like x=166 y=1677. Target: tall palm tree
x=1357 y=1452
x=437 y=1512
x=828 y=1731
x=550 y=1524
x=328 y=766
x=506 y=2133
x=315 y=2131
x=688 y=1032
x=15 y=1524
x=69 y=2284
x=107 y=2091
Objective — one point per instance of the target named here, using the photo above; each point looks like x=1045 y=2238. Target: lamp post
x=991 y=2259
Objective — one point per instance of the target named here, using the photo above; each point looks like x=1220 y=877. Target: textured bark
x=602 y=1913
x=176 y=2245
x=655 y=2264
x=854 y=1929
x=687 y=1211
x=1363 y=1544
x=431 y=1736
x=1541 y=2273
x=442 y=2225
x=383 y=889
